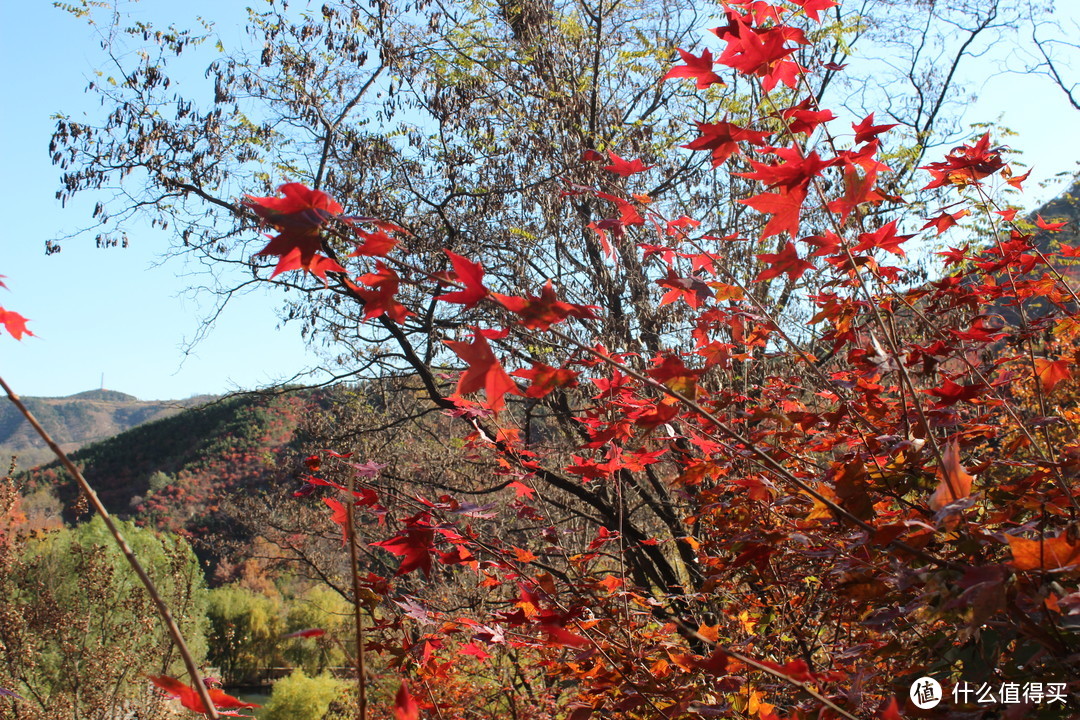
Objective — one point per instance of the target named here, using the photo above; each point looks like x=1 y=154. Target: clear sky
x=124 y=314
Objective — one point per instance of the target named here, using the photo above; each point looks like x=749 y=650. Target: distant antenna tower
x=102 y=381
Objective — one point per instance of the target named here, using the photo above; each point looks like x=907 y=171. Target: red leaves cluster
x=855 y=453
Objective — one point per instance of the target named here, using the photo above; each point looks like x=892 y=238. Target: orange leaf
x=1046 y=554
x=955 y=481
x=1051 y=372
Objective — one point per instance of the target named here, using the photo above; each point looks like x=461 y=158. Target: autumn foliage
x=833 y=507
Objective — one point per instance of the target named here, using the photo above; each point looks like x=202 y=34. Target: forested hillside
x=76 y=420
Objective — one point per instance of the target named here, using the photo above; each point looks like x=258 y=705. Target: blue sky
x=125 y=313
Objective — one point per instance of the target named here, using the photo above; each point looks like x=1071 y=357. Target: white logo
x=925 y=693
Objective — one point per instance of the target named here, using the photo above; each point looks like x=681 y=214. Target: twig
x=350 y=531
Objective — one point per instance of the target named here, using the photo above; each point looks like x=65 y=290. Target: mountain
x=76 y=420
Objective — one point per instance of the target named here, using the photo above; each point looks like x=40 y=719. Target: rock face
x=76 y=420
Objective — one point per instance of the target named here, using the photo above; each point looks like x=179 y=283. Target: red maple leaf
x=384 y=283
x=414 y=546
x=944 y=221
x=625 y=168
x=885 y=238
x=692 y=289
x=802 y=118
x=787 y=261
x=190 y=699
x=723 y=138
x=475 y=650
x=1046 y=553
x=764 y=52
x=955 y=481
x=966 y=165
x=540 y=312
x=813 y=7
x=14 y=323
x=858 y=189
x=951 y=393
x=376 y=244
x=471 y=275
x=793 y=172
x=1049 y=226
x=298 y=217
x=785 y=208
x=405 y=707
x=340 y=516
x=484 y=372
x=301 y=207
x=866 y=130
x=698 y=68
x=545 y=379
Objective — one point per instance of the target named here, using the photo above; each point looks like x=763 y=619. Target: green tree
x=245 y=632
x=299 y=697
x=77 y=630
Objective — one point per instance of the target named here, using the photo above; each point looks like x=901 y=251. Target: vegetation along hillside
x=76 y=420
x=172 y=473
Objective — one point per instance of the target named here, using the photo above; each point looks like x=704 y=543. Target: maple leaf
x=1048 y=553
x=475 y=650
x=301 y=207
x=955 y=481
x=300 y=253
x=692 y=289
x=405 y=707
x=376 y=244
x=625 y=168
x=340 y=516
x=885 y=238
x=1051 y=372
x=190 y=699
x=698 y=68
x=545 y=378
x=540 y=312
x=785 y=208
x=381 y=298
x=951 y=393
x=866 y=130
x=802 y=118
x=1049 y=226
x=471 y=275
x=559 y=635
x=944 y=221
x=414 y=546
x=858 y=189
x=591 y=156
x=965 y=165
x=309 y=633
x=764 y=52
x=14 y=323
x=794 y=173
x=522 y=490
x=813 y=7
x=298 y=216
x=723 y=138
x=786 y=261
